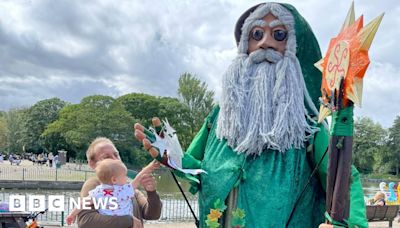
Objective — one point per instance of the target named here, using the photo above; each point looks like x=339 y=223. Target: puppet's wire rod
x=187 y=201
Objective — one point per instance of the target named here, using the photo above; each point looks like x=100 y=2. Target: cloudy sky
x=71 y=48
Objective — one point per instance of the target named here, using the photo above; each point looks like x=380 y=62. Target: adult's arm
x=92 y=219
x=357 y=206
x=150 y=206
x=89 y=184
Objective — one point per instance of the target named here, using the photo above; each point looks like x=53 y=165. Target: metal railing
x=42 y=174
x=176 y=210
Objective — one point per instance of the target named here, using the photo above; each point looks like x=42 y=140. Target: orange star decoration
x=214 y=215
x=345 y=63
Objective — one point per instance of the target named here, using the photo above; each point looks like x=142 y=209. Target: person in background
x=50 y=157
x=379 y=199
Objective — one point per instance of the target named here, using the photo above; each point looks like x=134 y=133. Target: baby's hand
x=151 y=167
x=70 y=219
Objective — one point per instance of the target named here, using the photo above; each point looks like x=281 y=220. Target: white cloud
x=71 y=49
x=67 y=46
x=380 y=96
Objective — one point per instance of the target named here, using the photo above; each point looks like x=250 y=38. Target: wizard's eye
x=257 y=34
x=279 y=35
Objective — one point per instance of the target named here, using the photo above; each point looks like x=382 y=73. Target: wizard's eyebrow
x=259 y=22
x=262 y=23
x=275 y=23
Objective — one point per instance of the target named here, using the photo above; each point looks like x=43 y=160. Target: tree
x=38 y=117
x=3 y=132
x=369 y=141
x=198 y=99
x=394 y=145
x=142 y=107
x=177 y=115
x=97 y=116
x=15 y=126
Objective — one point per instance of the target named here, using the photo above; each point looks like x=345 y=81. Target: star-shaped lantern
x=345 y=63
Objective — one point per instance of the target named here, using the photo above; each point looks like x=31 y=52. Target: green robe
x=269 y=184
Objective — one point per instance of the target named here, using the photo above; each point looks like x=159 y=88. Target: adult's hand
x=147 y=180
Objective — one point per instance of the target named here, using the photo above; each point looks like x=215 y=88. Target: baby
x=112 y=175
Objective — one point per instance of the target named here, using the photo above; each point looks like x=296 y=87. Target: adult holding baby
x=144 y=207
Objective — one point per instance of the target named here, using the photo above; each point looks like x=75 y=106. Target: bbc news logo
x=57 y=203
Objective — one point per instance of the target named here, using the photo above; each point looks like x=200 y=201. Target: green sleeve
x=194 y=154
x=357 y=205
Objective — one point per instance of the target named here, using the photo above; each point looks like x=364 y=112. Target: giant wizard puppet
x=261 y=151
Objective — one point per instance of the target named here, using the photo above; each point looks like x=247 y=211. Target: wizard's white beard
x=262 y=104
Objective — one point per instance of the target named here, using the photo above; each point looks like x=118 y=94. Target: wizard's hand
x=147 y=137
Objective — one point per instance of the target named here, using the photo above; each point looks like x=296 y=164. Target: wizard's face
x=262 y=100
x=271 y=34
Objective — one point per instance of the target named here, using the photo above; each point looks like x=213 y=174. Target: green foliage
x=36 y=120
x=16 y=119
x=368 y=143
x=198 y=99
x=177 y=115
x=394 y=145
x=3 y=133
x=142 y=107
x=95 y=116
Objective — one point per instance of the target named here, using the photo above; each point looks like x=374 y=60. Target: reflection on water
x=167 y=186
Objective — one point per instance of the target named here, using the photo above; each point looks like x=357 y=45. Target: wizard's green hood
x=307 y=51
